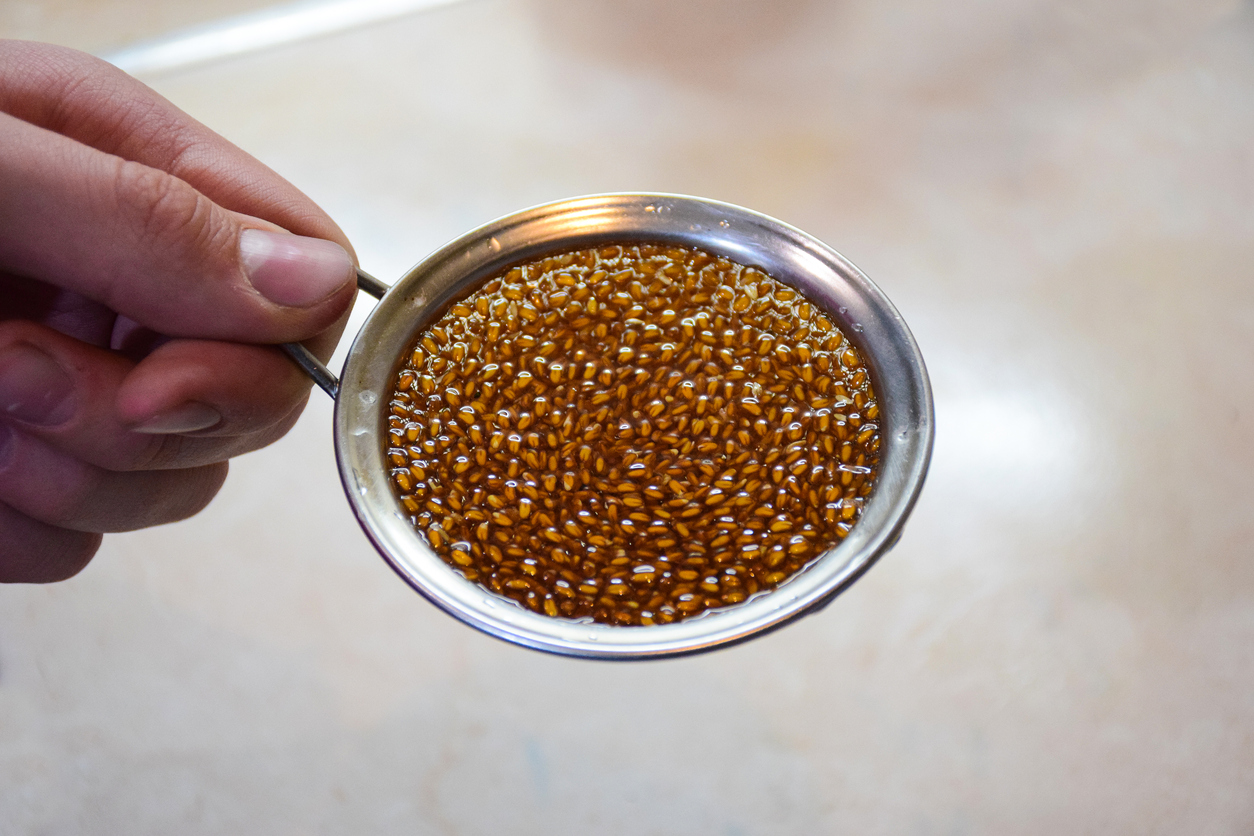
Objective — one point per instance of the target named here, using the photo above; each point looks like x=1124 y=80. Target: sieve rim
x=831 y=281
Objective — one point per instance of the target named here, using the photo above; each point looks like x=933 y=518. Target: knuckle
x=168 y=215
x=161 y=205
x=71 y=506
x=157 y=452
x=183 y=452
x=160 y=497
x=203 y=484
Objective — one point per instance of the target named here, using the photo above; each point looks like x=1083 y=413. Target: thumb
x=153 y=248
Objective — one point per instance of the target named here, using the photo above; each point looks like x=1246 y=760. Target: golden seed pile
x=632 y=434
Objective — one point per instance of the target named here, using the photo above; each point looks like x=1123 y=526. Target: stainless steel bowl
x=421 y=296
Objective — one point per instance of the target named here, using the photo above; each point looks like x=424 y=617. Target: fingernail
x=34 y=388
x=187 y=418
x=292 y=270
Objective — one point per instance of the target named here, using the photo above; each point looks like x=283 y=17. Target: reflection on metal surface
x=260 y=30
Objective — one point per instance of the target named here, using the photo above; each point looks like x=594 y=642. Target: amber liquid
x=634 y=434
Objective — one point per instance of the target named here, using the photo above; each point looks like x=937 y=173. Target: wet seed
x=632 y=434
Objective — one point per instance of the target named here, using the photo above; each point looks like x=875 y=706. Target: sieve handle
x=314 y=367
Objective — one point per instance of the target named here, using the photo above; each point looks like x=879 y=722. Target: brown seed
x=615 y=413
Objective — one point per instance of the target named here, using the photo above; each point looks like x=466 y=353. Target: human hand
x=146 y=270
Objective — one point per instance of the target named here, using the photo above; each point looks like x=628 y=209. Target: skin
x=120 y=222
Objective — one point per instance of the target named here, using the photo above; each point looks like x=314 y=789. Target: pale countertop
x=1059 y=200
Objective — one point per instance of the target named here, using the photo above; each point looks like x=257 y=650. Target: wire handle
x=314 y=367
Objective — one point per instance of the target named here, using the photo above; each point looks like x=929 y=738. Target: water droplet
x=842 y=309
x=724 y=224
x=361 y=489
x=857 y=326
x=368 y=397
x=489 y=603
x=663 y=208
x=693 y=227
x=902 y=435
x=593 y=637
x=360 y=431
x=494 y=244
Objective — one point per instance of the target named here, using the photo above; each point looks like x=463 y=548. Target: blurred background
x=1058 y=196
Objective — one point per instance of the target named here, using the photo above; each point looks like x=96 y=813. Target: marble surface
x=1059 y=198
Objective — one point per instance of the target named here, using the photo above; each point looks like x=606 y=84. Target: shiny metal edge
x=863 y=311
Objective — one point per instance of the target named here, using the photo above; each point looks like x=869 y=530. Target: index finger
x=151 y=247
x=90 y=101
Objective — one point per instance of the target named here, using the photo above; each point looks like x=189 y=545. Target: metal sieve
x=422 y=295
